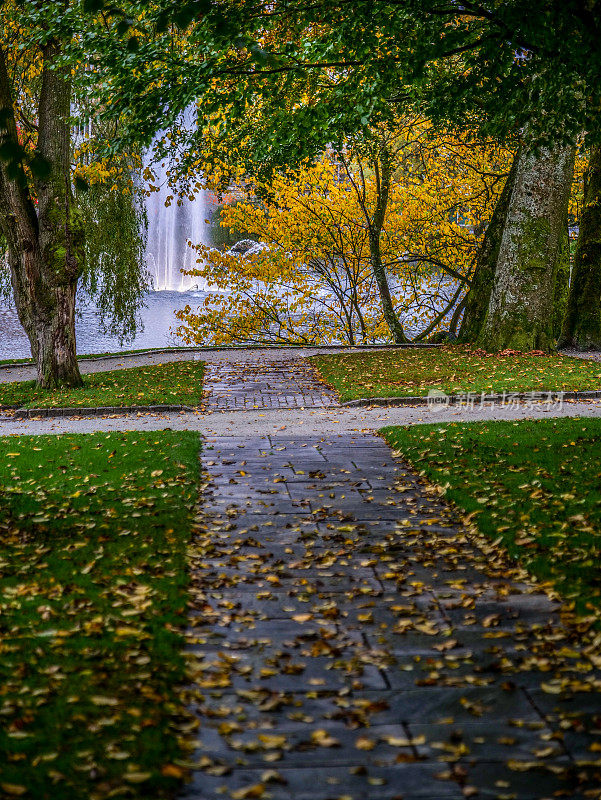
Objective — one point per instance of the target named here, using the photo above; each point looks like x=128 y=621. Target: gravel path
x=294 y=421
x=592 y=355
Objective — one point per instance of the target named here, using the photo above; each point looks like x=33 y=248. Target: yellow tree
x=394 y=221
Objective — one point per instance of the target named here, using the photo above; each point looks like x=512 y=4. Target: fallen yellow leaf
x=323 y=738
x=258 y=790
x=272 y=741
x=12 y=788
x=302 y=617
x=364 y=743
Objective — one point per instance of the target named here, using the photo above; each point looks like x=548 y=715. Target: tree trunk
x=562 y=283
x=376 y=225
x=455 y=318
x=520 y=312
x=582 y=324
x=45 y=247
x=478 y=297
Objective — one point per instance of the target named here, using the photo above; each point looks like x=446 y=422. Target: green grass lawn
x=452 y=369
x=534 y=485
x=177 y=383
x=93 y=588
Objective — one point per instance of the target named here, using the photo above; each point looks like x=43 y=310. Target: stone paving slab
x=300 y=783
x=281 y=383
x=352 y=648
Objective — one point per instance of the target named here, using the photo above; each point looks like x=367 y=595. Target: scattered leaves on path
x=346 y=628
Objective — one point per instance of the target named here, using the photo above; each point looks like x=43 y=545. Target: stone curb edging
x=453 y=399
x=103 y=411
x=457 y=399
x=98 y=411
x=234 y=347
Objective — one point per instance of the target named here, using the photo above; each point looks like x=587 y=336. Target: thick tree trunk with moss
x=520 y=313
x=478 y=297
x=45 y=245
x=383 y=174
x=582 y=324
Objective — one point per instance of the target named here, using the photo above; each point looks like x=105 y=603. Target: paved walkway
x=352 y=640
x=233 y=356
x=269 y=383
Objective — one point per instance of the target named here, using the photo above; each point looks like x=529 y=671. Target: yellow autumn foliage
x=313 y=280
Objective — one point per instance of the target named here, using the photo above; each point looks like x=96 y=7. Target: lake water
x=158 y=319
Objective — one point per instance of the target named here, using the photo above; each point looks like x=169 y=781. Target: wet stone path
x=239 y=386
x=350 y=639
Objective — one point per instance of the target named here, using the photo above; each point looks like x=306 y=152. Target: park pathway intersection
x=287 y=383
x=351 y=639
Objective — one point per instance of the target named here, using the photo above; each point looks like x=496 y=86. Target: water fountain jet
x=170 y=229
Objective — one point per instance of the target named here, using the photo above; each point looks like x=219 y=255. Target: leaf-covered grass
x=93 y=588
x=452 y=369
x=177 y=383
x=534 y=485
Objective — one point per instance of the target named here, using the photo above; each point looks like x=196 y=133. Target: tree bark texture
x=45 y=245
x=520 y=313
x=478 y=297
x=562 y=283
x=582 y=324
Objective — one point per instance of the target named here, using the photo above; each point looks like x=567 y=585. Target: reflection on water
x=158 y=317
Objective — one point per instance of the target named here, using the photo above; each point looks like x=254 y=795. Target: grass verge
x=452 y=369
x=93 y=582
x=177 y=383
x=531 y=485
